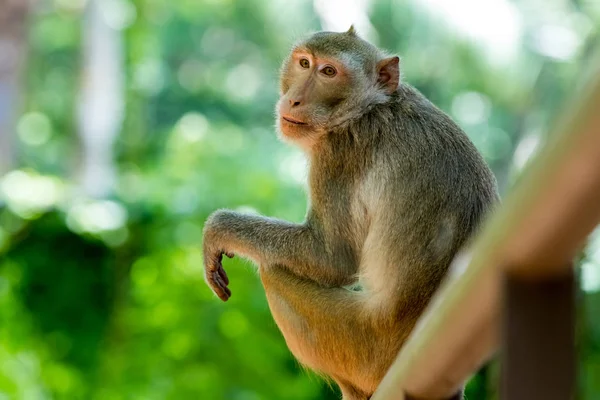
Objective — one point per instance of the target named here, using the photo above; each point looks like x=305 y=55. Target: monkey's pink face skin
x=311 y=86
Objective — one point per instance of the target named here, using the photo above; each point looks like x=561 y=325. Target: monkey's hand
x=214 y=273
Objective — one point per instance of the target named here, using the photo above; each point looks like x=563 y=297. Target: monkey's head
x=328 y=79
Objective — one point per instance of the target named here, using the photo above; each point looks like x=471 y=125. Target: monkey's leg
x=328 y=330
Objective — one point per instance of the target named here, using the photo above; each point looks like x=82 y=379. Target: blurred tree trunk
x=13 y=14
x=101 y=100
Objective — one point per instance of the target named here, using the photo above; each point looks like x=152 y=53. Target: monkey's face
x=326 y=80
x=312 y=86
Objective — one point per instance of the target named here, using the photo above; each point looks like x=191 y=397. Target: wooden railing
x=513 y=290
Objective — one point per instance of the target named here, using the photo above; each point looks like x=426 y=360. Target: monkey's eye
x=304 y=63
x=329 y=71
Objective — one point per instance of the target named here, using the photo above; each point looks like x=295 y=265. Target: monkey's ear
x=389 y=73
x=351 y=31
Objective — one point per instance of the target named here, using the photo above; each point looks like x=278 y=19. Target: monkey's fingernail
x=224 y=297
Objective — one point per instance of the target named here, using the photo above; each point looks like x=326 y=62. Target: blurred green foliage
x=116 y=308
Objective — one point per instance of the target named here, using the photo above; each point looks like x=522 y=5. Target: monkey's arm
x=268 y=242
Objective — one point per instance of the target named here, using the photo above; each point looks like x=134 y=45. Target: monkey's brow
x=302 y=49
x=319 y=54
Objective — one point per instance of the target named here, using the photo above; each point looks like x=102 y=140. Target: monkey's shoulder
x=411 y=106
x=420 y=128
x=424 y=149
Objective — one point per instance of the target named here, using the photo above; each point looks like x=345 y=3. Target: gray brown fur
x=396 y=188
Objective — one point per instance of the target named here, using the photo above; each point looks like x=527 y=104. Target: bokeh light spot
x=34 y=128
x=471 y=107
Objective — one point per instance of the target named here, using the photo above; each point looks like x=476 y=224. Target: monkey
x=395 y=189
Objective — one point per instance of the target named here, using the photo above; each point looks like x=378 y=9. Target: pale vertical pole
x=101 y=99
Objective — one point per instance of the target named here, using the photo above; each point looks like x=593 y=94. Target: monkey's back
x=433 y=189
x=439 y=168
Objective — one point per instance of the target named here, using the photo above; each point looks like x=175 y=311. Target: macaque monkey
x=396 y=188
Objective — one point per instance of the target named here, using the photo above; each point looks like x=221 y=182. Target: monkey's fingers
x=229 y=254
x=222 y=278
x=223 y=274
x=219 y=287
x=215 y=275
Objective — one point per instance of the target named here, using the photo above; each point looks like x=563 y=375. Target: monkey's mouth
x=293 y=121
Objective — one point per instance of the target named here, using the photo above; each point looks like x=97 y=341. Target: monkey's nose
x=294 y=103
